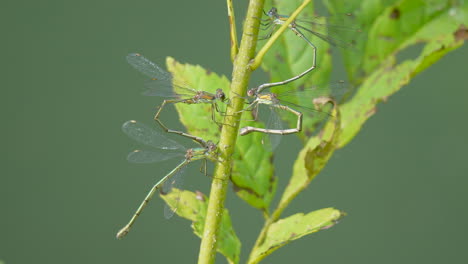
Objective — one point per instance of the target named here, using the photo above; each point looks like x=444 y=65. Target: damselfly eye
x=272 y=11
x=220 y=94
x=251 y=92
x=211 y=146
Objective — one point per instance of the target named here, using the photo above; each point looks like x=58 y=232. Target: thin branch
x=233 y=30
x=240 y=78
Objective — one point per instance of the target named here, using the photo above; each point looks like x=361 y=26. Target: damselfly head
x=211 y=146
x=273 y=12
x=220 y=95
x=252 y=92
x=189 y=154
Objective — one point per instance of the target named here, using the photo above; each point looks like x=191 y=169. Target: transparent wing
x=150 y=137
x=147 y=67
x=343 y=22
x=149 y=156
x=311 y=99
x=314 y=108
x=336 y=30
x=161 y=88
x=176 y=181
x=164 y=88
x=274 y=122
x=338 y=91
x=316 y=111
x=162 y=82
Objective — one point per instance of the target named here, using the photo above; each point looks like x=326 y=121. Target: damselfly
x=152 y=138
x=335 y=35
x=162 y=83
x=315 y=97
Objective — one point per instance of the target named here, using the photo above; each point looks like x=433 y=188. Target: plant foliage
x=380 y=31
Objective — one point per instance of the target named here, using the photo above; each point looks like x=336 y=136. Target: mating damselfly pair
x=163 y=84
x=308 y=99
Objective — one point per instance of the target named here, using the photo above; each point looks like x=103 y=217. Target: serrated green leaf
x=398 y=27
x=255 y=186
x=389 y=25
x=386 y=80
x=252 y=175
x=193 y=206
x=294 y=227
x=437 y=29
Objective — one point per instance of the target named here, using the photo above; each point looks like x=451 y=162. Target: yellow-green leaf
x=435 y=28
x=193 y=206
x=294 y=227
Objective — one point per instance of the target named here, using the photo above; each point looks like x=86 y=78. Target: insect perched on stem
x=333 y=34
x=154 y=139
x=162 y=84
x=314 y=96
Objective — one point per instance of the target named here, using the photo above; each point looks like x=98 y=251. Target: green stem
x=240 y=78
x=233 y=31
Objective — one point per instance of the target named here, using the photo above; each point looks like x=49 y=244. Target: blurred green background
x=66 y=188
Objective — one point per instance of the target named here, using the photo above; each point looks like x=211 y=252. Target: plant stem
x=240 y=78
x=233 y=31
